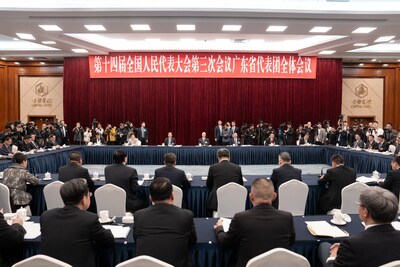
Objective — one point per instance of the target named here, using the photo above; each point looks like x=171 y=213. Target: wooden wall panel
x=391 y=75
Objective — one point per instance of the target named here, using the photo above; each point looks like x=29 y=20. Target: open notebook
x=322 y=228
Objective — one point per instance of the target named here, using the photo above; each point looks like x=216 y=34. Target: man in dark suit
x=378 y=244
x=383 y=145
x=98 y=140
x=52 y=141
x=170 y=140
x=336 y=178
x=305 y=140
x=235 y=140
x=11 y=238
x=70 y=234
x=163 y=230
x=271 y=140
x=218 y=133
x=25 y=144
x=6 y=148
x=63 y=133
x=33 y=144
x=126 y=178
x=143 y=134
x=203 y=140
x=220 y=174
x=392 y=181
x=358 y=143
x=371 y=143
x=175 y=175
x=75 y=170
x=234 y=128
x=255 y=231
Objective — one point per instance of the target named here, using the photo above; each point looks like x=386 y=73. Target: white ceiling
x=22 y=16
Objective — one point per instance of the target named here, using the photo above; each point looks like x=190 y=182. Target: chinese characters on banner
x=202 y=65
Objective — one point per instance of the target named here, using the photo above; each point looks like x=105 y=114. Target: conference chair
x=350 y=195
x=5 y=199
x=231 y=200
x=52 y=195
x=392 y=264
x=144 y=261
x=112 y=198
x=278 y=257
x=293 y=197
x=178 y=195
x=41 y=261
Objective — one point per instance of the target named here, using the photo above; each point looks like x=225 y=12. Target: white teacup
x=47 y=175
x=338 y=218
x=146 y=176
x=375 y=174
x=95 y=175
x=1 y=175
x=104 y=215
x=22 y=213
x=189 y=176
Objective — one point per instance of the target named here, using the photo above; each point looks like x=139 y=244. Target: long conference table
x=207 y=253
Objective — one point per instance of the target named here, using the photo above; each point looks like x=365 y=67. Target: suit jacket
x=396 y=152
x=359 y=144
x=268 y=141
x=22 y=146
x=383 y=146
x=232 y=142
x=392 y=182
x=69 y=234
x=302 y=141
x=255 y=231
x=336 y=179
x=143 y=137
x=284 y=173
x=34 y=145
x=205 y=142
x=374 y=247
x=218 y=132
x=101 y=139
x=235 y=130
x=50 y=144
x=220 y=174
x=173 y=141
x=11 y=238
x=5 y=150
x=165 y=232
x=175 y=175
x=126 y=178
x=372 y=145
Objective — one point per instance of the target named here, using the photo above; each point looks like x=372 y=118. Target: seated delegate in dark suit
x=392 y=181
x=163 y=230
x=24 y=145
x=284 y=173
x=98 y=140
x=336 y=179
x=170 y=141
x=175 y=175
x=126 y=178
x=75 y=170
x=11 y=238
x=383 y=146
x=255 y=231
x=371 y=144
x=220 y=174
x=71 y=233
x=358 y=143
x=203 y=140
x=305 y=140
x=52 y=141
x=6 y=148
x=271 y=140
x=378 y=244
x=235 y=140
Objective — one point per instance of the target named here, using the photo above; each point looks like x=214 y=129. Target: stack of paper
x=322 y=228
x=226 y=223
x=32 y=230
x=118 y=231
x=364 y=179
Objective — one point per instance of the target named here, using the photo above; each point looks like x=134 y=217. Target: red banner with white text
x=202 y=65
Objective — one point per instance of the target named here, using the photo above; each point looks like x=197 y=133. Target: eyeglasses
x=359 y=204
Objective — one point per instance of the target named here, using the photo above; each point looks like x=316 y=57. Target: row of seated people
x=166 y=232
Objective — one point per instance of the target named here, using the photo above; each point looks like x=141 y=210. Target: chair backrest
x=392 y=264
x=112 y=198
x=278 y=257
x=293 y=197
x=52 y=195
x=392 y=148
x=350 y=195
x=5 y=198
x=178 y=195
x=144 y=261
x=41 y=261
x=231 y=199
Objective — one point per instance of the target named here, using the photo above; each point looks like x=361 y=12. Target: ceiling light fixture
x=30 y=58
x=327 y=52
x=42 y=63
x=320 y=29
x=140 y=27
x=48 y=42
x=276 y=28
x=360 y=44
x=231 y=28
x=17 y=63
x=26 y=36
x=361 y=64
x=51 y=28
x=385 y=65
x=384 y=39
x=185 y=27
x=364 y=30
x=373 y=60
x=95 y=28
x=79 y=50
x=3 y=58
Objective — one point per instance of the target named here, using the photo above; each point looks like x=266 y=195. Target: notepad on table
x=32 y=230
x=364 y=179
x=322 y=228
x=118 y=231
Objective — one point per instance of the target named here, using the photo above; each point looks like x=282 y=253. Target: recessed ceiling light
x=276 y=28
x=79 y=50
x=373 y=60
x=152 y=39
x=51 y=28
x=26 y=36
x=320 y=29
x=186 y=27
x=361 y=64
x=327 y=52
x=17 y=63
x=3 y=58
x=42 y=63
x=187 y=39
x=140 y=27
x=385 y=65
x=384 y=39
x=364 y=30
x=360 y=44
x=48 y=42
x=30 y=58
x=398 y=60
x=231 y=28
x=95 y=28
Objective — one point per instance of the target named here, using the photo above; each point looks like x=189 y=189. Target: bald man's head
x=262 y=191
